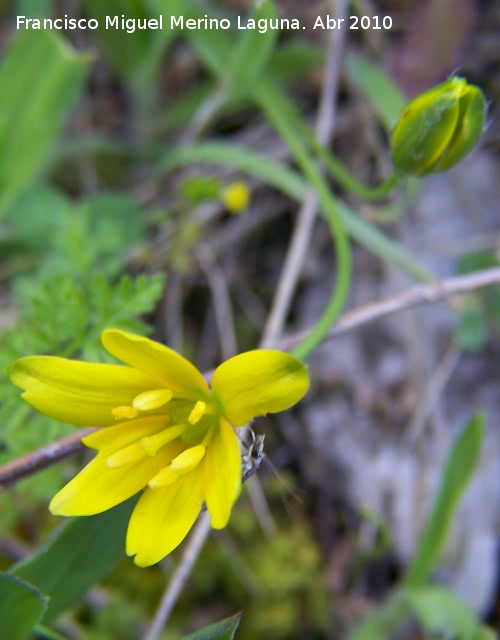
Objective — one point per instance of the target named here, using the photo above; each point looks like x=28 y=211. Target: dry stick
x=299 y=244
x=429 y=400
x=418 y=295
x=221 y=300
x=181 y=574
x=415 y=296
x=45 y=457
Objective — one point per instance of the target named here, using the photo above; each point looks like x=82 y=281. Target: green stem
x=277 y=111
x=335 y=166
x=344 y=178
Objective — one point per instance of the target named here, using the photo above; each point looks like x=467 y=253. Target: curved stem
x=306 y=217
x=337 y=300
x=343 y=177
x=335 y=166
x=277 y=110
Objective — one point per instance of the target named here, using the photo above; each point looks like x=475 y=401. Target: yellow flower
x=166 y=431
x=236 y=197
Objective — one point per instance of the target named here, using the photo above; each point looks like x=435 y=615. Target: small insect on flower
x=253 y=458
x=164 y=433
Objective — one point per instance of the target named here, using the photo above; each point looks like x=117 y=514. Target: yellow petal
x=156 y=361
x=98 y=487
x=163 y=517
x=119 y=436
x=259 y=382
x=80 y=393
x=222 y=474
x=131 y=455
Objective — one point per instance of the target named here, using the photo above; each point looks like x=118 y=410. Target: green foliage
x=136 y=55
x=223 y=630
x=287 y=569
x=200 y=189
x=438 y=612
x=457 y=472
x=119 y=619
x=382 y=92
x=253 y=51
x=21 y=607
x=76 y=292
x=34 y=106
x=90 y=546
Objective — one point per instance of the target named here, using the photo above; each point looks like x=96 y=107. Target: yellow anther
x=128 y=455
x=125 y=412
x=188 y=460
x=198 y=410
x=164 y=478
x=152 y=444
x=149 y=400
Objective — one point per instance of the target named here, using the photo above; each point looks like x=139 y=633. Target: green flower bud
x=438 y=128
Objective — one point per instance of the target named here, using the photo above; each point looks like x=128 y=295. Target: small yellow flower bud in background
x=236 y=197
x=438 y=128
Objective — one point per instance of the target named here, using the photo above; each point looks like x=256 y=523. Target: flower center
x=193 y=424
x=182 y=464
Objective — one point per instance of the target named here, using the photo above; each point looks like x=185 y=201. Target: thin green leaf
x=381 y=90
x=240 y=158
x=212 y=46
x=223 y=630
x=34 y=107
x=294 y=60
x=253 y=51
x=21 y=606
x=380 y=624
x=82 y=552
x=440 y=612
x=290 y=182
x=457 y=472
x=47 y=634
x=135 y=53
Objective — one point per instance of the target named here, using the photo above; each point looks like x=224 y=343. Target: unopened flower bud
x=438 y=128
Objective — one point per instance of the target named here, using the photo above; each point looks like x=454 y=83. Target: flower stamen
x=163 y=478
x=125 y=412
x=149 y=400
x=188 y=459
x=152 y=444
x=198 y=411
